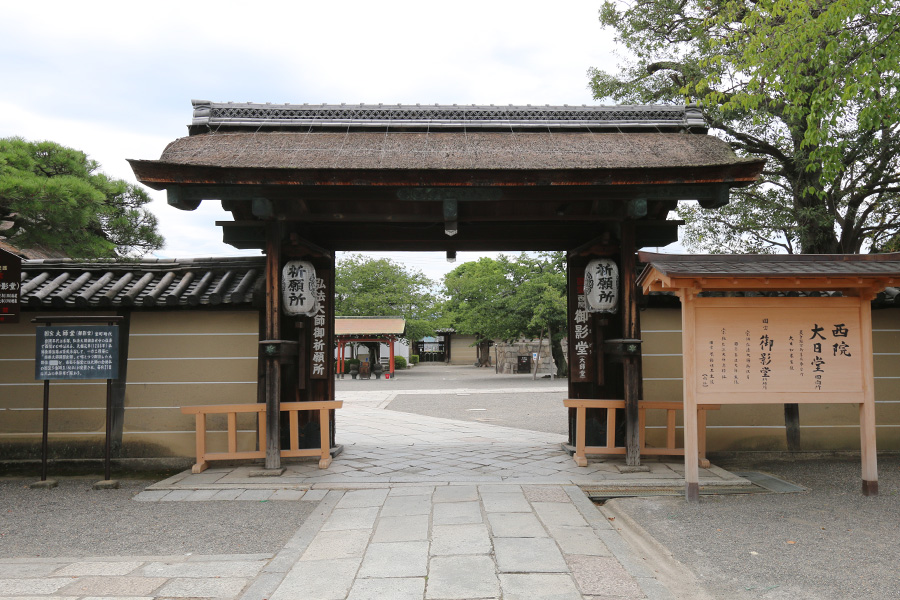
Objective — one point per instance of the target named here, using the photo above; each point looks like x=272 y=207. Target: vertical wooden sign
x=582 y=363
x=320 y=324
x=10 y=276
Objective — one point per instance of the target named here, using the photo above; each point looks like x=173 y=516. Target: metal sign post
x=77 y=348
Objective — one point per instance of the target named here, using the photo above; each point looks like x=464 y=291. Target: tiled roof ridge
x=127 y=263
x=148 y=283
x=214 y=115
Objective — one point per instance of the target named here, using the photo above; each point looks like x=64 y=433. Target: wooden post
x=391 y=344
x=630 y=330
x=691 y=444
x=867 y=408
x=119 y=384
x=273 y=332
x=578 y=387
x=792 y=426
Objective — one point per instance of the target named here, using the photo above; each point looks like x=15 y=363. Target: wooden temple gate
x=305 y=181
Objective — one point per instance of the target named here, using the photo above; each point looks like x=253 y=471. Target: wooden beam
x=303 y=247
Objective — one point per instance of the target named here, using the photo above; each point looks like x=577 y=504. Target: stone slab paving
x=357 y=544
x=388 y=447
x=414 y=508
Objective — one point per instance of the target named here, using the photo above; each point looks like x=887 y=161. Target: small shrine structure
x=381 y=330
x=803 y=336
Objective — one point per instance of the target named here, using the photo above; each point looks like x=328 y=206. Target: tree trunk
x=484 y=353
x=815 y=224
x=556 y=351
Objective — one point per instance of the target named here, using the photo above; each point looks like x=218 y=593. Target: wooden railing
x=232 y=411
x=670 y=449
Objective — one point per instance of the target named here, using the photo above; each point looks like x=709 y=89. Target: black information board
x=10 y=275
x=77 y=352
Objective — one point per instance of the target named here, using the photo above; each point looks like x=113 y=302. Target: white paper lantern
x=298 y=288
x=601 y=286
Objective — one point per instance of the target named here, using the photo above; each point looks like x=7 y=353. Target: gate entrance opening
x=303 y=182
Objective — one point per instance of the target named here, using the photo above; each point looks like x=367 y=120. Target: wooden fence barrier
x=232 y=410
x=581 y=450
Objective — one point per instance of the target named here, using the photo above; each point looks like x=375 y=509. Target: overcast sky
x=116 y=79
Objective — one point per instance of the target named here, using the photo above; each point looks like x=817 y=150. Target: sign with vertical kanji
x=601 y=286
x=10 y=277
x=320 y=351
x=298 y=288
x=76 y=352
x=582 y=362
x=813 y=348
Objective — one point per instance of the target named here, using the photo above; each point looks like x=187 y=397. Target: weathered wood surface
x=581 y=405
x=232 y=410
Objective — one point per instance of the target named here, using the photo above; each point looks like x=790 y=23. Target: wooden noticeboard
x=829 y=373
x=791 y=349
x=794 y=348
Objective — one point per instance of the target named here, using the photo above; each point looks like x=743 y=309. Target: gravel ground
x=828 y=543
x=534 y=411
x=74 y=520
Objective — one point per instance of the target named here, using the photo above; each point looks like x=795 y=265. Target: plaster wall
x=182 y=358
x=175 y=358
x=463 y=350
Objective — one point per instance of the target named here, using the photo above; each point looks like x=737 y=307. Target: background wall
x=508 y=356
x=176 y=358
x=181 y=358
x=462 y=350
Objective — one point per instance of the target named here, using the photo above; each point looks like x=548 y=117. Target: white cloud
x=115 y=79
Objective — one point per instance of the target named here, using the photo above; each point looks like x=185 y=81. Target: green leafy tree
x=377 y=287
x=56 y=198
x=811 y=85
x=510 y=298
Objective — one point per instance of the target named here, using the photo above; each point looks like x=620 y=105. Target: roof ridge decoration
x=218 y=115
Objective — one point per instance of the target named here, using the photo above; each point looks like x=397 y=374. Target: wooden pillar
x=391 y=343
x=273 y=332
x=867 y=408
x=589 y=381
x=691 y=444
x=792 y=426
x=630 y=330
x=119 y=385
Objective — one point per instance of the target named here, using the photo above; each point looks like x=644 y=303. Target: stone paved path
x=414 y=508
x=451 y=542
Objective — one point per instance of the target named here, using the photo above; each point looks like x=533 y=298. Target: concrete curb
x=274 y=573
x=678 y=582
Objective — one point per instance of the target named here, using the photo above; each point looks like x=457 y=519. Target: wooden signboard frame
x=792 y=310
x=824 y=344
